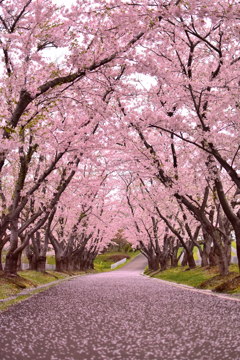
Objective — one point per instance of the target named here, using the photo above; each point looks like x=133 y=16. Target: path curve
x=121 y=315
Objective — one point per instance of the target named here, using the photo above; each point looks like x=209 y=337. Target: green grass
x=10 y=286
x=181 y=276
x=195 y=252
x=28 y=279
x=104 y=261
x=51 y=260
x=39 y=278
x=204 y=278
x=7 y=304
x=4 y=306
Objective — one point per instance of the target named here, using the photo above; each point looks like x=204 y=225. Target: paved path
x=121 y=315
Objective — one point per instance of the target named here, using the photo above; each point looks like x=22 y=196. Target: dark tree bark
x=153 y=263
x=2 y=244
x=205 y=253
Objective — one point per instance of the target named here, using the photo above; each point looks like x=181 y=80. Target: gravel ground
x=121 y=315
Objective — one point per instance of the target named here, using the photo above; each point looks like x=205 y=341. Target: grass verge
x=104 y=261
x=5 y=305
x=12 y=285
x=28 y=279
x=203 y=278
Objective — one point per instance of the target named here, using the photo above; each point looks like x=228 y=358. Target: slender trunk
x=174 y=256
x=184 y=260
x=237 y=234
x=228 y=248
x=31 y=258
x=12 y=256
x=1 y=265
x=205 y=256
x=205 y=253
x=222 y=254
x=174 y=260
x=223 y=264
x=188 y=256
x=190 y=260
x=19 y=262
x=213 y=257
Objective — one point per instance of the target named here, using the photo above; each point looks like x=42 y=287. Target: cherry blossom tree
x=146 y=88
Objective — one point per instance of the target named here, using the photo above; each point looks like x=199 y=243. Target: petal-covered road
x=121 y=315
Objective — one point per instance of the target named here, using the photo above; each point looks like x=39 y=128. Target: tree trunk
x=153 y=263
x=228 y=252
x=174 y=256
x=83 y=263
x=11 y=264
x=19 y=262
x=12 y=256
x=237 y=235
x=1 y=265
x=61 y=263
x=32 y=263
x=205 y=257
x=213 y=257
x=188 y=258
x=184 y=260
x=205 y=254
x=222 y=254
x=70 y=264
x=41 y=263
x=223 y=264
x=163 y=263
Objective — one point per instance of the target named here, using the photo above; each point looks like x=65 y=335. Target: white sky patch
x=55 y=55
x=143 y=81
x=66 y=3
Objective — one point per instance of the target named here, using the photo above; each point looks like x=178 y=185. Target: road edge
x=191 y=288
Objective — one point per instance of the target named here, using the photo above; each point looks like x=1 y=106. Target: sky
x=67 y=3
